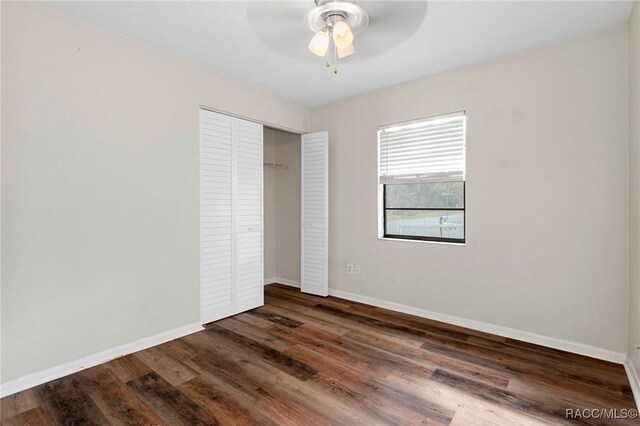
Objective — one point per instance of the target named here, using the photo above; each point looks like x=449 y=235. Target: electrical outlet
x=356 y=269
x=349 y=268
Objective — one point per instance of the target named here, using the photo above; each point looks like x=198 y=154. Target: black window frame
x=419 y=237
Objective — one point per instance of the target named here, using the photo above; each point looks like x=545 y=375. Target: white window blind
x=426 y=150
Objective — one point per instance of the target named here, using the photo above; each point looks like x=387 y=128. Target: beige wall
x=100 y=185
x=547 y=194
x=288 y=207
x=634 y=187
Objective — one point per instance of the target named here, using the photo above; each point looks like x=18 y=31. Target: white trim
x=407 y=240
x=201 y=287
x=286 y=281
x=634 y=380
x=62 y=370
x=552 y=342
x=283 y=281
x=253 y=120
x=262 y=210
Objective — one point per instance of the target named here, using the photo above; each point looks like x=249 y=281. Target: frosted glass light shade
x=319 y=43
x=342 y=35
x=345 y=52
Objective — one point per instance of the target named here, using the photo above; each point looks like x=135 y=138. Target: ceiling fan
x=335 y=24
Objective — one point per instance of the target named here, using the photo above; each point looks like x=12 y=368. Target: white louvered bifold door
x=231 y=276
x=216 y=216
x=249 y=258
x=315 y=214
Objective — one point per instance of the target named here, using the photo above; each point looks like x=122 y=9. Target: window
x=421 y=178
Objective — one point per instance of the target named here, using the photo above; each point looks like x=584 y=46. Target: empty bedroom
x=320 y=212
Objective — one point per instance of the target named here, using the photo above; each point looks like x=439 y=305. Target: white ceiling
x=264 y=42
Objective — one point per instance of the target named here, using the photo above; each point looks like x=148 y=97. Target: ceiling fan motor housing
x=328 y=12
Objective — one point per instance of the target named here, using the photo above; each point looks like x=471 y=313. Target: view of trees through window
x=433 y=210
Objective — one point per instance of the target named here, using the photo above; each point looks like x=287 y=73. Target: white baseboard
x=565 y=345
x=284 y=281
x=59 y=371
x=287 y=281
x=634 y=380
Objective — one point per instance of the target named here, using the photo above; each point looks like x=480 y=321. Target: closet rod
x=277 y=165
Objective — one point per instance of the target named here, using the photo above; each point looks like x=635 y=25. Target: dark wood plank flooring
x=306 y=360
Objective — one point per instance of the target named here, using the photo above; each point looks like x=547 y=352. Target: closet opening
x=282 y=197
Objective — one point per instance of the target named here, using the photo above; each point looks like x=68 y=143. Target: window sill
x=448 y=243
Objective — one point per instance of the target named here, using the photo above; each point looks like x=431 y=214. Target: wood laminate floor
x=306 y=360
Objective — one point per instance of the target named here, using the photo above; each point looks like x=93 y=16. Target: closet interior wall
x=269 y=190
x=282 y=207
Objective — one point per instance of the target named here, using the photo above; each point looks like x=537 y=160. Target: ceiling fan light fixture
x=335 y=23
x=319 y=43
x=342 y=35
